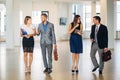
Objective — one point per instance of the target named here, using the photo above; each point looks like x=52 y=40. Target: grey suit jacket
x=47 y=37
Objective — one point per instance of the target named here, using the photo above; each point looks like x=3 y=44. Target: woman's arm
x=34 y=34
x=81 y=29
x=38 y=31
x=70 y=29
x=21 y=35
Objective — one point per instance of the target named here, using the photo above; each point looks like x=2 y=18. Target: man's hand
x=91 y=40
x=105 y=49
x=55 y=46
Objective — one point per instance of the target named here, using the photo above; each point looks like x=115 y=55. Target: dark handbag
x=106 y=56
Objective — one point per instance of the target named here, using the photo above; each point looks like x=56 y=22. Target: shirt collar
x=98 y=26
x=46 y=24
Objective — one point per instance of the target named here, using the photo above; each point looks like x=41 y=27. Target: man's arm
x=92 y=34
x=53 y=35
x=38 y=30
x=105 y=39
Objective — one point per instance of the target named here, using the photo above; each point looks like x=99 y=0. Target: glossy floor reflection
x=12 y=64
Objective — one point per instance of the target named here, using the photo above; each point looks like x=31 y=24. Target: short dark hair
x=97 y=18
x=26 y=19
x=44 y=15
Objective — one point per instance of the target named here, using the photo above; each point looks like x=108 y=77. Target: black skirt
x=28 y=44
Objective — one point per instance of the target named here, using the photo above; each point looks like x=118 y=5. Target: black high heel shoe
x=77 y=71
x=73 y=71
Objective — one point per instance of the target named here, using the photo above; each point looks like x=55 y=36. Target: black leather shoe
x=95 y=69
x=46 y=70
x=100 y=72
x=49 y=71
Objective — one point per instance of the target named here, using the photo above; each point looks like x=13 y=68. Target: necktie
x=96 y=30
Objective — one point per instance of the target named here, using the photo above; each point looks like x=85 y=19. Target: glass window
x=87 y=16
x=36 y=17
x=118 y=15
x=2 y=19
x=98 y=8
x=84 y=9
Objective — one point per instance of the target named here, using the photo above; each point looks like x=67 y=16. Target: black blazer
x=102 y=36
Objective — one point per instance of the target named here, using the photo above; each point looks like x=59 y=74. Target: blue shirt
x=45 y=26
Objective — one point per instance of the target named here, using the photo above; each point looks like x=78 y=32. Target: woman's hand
x=79 y=32
x=37 y=33
x=24 y=36
x=76 y=25
x=29 y=35
x=91 y=40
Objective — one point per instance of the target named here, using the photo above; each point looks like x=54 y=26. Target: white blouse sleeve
x=21 y=26
x=33 y=27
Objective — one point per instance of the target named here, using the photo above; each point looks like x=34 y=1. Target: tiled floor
x=12 y=65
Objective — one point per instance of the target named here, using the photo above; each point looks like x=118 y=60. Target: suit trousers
x=94 y=49
x=47 y=54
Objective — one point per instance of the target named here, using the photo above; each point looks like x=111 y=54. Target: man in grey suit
x=47 y=41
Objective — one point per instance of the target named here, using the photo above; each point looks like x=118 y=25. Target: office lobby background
x=61 y=13
x=12 y=13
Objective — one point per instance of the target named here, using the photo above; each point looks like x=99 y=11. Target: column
x=9 y=24
x=70 y=13
x=93 y=8
x=26 y=8
x=16 y=23
x=0 y=26
x=80 y=10
x=107 y=16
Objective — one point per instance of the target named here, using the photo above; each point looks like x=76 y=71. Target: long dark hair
x=75 y=20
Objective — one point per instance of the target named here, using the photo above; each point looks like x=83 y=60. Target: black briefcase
x=106 y=56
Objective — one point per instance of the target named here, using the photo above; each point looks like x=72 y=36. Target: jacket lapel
x=99 y=28
x=42 y=27
x=47 y=27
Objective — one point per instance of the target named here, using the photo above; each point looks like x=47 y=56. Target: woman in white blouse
x=27 y=32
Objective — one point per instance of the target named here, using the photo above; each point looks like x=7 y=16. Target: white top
x=29 y=30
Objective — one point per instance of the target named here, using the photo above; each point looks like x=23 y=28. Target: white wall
x=16 y=22
x=56 y=11
x=53 y=13
x=63 y=11
x=0 y=25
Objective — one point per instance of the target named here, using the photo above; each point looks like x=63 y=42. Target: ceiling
x=3 y=1
x=64 y=0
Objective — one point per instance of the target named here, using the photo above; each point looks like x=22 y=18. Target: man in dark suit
x=99 y=39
